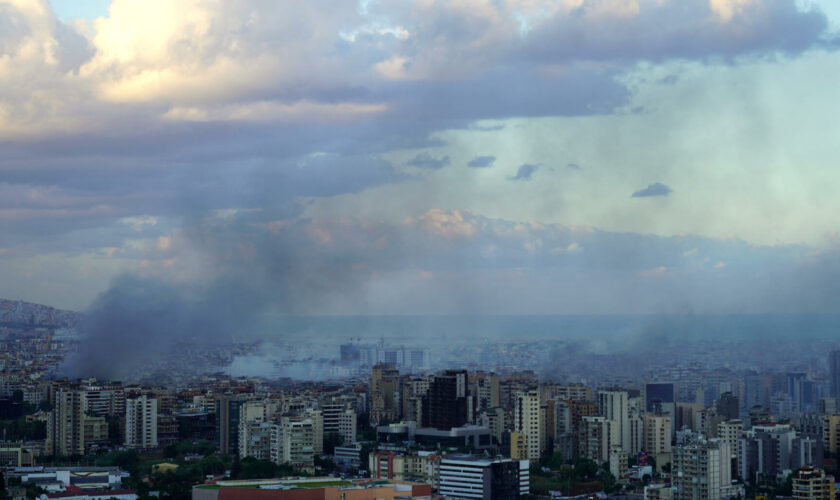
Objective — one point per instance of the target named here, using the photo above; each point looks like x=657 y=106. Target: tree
x=364 y=455
x=236 y=470
x=667 y=468
x=331 y=440
x=609 y=482
x=555 y=461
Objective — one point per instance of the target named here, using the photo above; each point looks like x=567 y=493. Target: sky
x=422 y=157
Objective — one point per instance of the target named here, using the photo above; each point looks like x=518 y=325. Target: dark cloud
x=573 y=166
x=655 y=189
x=425 y=160
x=694 y=32
x=482 y=162
x=524 y=172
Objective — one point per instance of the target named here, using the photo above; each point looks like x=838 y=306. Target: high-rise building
x=701 y=471
x=227 y=423
x=65 y=425
x=412 y=390
x=765 y=451
x=660 y=398
x=488 y=479
x=614 y=406
x=834 y=372
x=384 y=390
x=657 y=434
x=445 y=402
x=831 y=433
x=485 y=388
x=727 y=406
x=71 y=431
x=293 y=442
x=141 y=422
x=596 y=436
x=810 y=483
x=619 y=461
x=526 y=420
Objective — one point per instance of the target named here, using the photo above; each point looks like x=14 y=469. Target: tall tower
x=141 y=422
x=384 y=390
x=526 y=420
x=66 y=423
x=613 y=406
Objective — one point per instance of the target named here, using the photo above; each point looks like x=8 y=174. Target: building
x=490 y=479
x=494 y=419
x=485 y=389
x=348 y=456
x=339 y=418
x=526 y=421
x=141 y=422
x=293 y=443
x=834 y=373
x=227 y=423
x=701 y=471
x=614 y=406
x=657 y=434
x=16 y=455
x=384 y=390
x=810 y=483
x=596 y=437
x=727 y=406
x=445 y=402
x=660 y=398
x=764 y=452
x=619 y=461
x=311 y=488
x=70 y=430
x=518 y=446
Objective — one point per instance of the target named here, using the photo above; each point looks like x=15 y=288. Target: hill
x=19 y=313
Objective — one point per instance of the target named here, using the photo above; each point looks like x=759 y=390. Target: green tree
x=608 y=480
x=236 y=470
x=331 y=440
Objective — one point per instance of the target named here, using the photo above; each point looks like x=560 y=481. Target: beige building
x=518 y=446
x=293 y=442
x=71 y=431
x=16 y=455
x=384 y=388
x=657 y=434
x=527 y=421
x=810 y=483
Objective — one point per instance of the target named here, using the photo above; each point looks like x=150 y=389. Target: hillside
x=16 y=312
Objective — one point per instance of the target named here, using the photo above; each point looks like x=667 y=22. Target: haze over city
x=372 y=231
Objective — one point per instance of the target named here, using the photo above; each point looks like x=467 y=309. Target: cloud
x=524 y=172
x=655 y=189
x=482 y=162
x=425 y=160
x=573 y=166
x=115 y=121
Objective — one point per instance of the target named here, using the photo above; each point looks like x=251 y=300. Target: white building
x=471 y=477
x=614 y=406
x=141 y=422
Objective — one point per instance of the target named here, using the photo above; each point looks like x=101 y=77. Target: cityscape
x=419 y=249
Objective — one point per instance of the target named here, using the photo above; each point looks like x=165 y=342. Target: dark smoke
x=252 y=270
